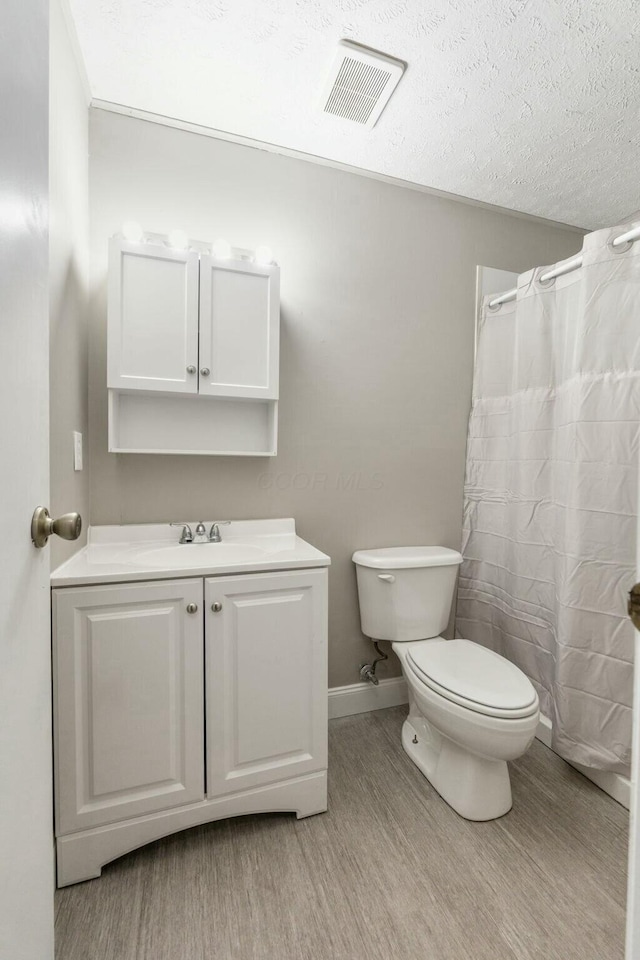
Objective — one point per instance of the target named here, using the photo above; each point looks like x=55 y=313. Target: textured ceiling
x=529 y=104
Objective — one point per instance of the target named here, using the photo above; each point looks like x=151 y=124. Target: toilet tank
x=405 y=593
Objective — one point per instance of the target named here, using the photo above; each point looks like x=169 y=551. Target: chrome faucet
x=200 y=536
x=214 y=532
x=187 y=535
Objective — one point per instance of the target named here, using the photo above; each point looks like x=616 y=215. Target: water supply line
x=368 y=670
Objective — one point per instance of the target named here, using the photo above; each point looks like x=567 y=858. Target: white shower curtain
x=551 y=494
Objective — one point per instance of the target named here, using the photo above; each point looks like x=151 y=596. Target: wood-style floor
x=389 y=873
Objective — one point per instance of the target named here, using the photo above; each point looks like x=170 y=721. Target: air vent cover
x=360 y=83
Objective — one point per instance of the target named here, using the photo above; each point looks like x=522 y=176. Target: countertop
x=130 y=552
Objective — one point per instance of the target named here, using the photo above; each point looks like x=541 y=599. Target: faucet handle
x=187 y=535
x=214 y=533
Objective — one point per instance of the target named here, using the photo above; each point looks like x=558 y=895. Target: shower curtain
x=550 y=506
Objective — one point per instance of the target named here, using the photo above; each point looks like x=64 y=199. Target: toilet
x=470 y=710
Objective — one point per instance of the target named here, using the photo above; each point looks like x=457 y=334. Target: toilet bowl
x=470 y=710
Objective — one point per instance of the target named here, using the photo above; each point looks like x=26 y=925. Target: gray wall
x=378 y=288
x=68 y=279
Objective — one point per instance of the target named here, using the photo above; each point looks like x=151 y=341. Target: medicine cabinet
x=193 y=352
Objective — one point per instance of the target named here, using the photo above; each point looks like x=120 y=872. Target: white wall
x=68 y=277
x=378 y=307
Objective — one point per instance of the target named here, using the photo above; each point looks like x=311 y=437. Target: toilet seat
x=473 y=677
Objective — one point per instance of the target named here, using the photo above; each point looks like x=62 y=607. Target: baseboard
x=543 y=733
x=363 y=697
x=613 y=784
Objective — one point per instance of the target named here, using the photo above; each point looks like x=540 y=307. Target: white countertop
x=150 y=551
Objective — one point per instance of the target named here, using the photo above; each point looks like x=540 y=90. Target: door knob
x=633 y=607
x=204 y=371
x=191 y=368
x=68 y=526
x=192 y=608
x=216 y=607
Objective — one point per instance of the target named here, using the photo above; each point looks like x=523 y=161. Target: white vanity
x=190 y=684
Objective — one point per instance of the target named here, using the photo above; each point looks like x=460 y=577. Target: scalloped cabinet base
x=81 y=856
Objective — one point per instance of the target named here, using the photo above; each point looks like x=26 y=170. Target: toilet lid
x=404 y=558
x=472 y=675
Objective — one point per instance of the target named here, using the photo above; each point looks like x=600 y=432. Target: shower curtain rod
x=567 y=267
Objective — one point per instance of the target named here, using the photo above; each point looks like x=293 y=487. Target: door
x=239 y=328
x=128 y=701
x=26 y=830
x=152 y=318
x=266 y=653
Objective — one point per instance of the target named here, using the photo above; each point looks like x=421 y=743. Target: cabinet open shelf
x=222 y=426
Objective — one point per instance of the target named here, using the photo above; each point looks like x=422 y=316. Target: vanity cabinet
x=133 y=699
x=129 y=705
x=266 y=686
x=192 y=352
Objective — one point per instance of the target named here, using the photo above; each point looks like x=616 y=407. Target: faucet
x=214 y=532
x=200 y=536
x=187 y=535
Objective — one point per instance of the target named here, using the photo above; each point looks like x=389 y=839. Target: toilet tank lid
x=401 y=558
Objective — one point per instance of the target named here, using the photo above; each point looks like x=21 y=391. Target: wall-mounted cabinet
x=239 y=329
x=193 y=352
x=153 y=318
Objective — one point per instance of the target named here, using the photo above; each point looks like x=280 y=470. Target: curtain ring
x=544 y=283
x=622 y=248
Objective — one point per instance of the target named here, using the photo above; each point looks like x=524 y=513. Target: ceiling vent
x=360 y=83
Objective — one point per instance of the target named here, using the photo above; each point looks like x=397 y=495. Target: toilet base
x=477 y=788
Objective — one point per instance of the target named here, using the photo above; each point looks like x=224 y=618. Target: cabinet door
x=266 y=653
x=239 y=329
x=128 y=701
x=153 y=318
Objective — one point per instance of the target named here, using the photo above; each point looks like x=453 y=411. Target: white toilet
x=470 y=710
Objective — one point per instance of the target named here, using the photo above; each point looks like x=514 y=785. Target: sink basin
x=198 y=555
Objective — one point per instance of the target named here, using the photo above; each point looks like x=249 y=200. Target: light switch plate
x=77 y=450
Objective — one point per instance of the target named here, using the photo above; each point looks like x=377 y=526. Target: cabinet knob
x=204 y=371
x=192 y=608
x=191 y=368
x=216 y=607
